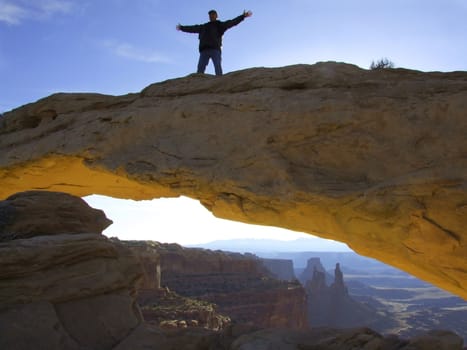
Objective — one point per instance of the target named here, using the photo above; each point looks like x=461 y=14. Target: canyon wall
x=331 y=305
x=239 y=284
x=165 y=308
x=281 y=268
x=77 y=290
x=376 y=159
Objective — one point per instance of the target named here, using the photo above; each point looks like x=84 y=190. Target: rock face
x=332 y=306
x=313 y=265
x=150 y=260
x=164 y=308
x=329 y=339
x=238 y=337
x=282 y=269
x=36 y=213
x=375 y=159
x=238 y=284
x=74 y=290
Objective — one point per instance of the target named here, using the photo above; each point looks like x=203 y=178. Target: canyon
x=239 y=285
x=375 y=159
x=232 y=284
x=64 y=285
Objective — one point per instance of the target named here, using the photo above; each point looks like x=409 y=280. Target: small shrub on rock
x=382 y=63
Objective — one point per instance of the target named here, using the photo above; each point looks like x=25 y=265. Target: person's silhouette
x=210 y=38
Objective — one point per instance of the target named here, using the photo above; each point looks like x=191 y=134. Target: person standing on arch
x=210 y=38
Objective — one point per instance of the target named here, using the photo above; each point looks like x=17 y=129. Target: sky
x=120 y=46
x=183 y=220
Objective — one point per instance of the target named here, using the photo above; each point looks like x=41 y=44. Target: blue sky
x=120 y=46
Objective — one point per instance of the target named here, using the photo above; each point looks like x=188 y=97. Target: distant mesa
x=372 y=158
x=244 y=245
x=331 y=305
x=280 y=268
x=315 y=271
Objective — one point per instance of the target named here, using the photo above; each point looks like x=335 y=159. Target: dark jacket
x=210 y=33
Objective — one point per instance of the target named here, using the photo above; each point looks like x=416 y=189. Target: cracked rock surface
x=376 y=159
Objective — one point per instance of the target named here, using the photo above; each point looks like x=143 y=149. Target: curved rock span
x=376 y=159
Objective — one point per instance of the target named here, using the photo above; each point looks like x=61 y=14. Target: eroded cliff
x=376 y=159
x=239 y=284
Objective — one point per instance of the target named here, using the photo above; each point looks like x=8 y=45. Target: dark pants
x=214 y=55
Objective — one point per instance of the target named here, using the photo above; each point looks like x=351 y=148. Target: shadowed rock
x=77 y=292
x=239 y=284
x=375 y=159
x=64 y=290
x=281 y=268
x=36 y=213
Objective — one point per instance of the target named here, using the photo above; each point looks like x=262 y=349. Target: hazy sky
x=185 y=221
x=120 y=46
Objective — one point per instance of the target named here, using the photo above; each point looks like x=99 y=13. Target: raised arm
x=233 y=22
x=189 y=29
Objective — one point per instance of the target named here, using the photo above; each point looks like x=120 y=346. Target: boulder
x=34 y=213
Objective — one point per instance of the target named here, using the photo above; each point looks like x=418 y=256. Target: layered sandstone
x=239 y=284
x=272 y=305
x=163 y=307
x=282 y=269
x=375 y=159
x=168 y=310
x=74 y=290
x=37 y=213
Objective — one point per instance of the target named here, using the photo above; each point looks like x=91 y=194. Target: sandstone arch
x=376 y=159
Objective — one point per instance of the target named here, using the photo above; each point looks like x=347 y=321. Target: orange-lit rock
x=376 y=159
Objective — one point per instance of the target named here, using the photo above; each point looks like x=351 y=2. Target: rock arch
x=376 y=159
